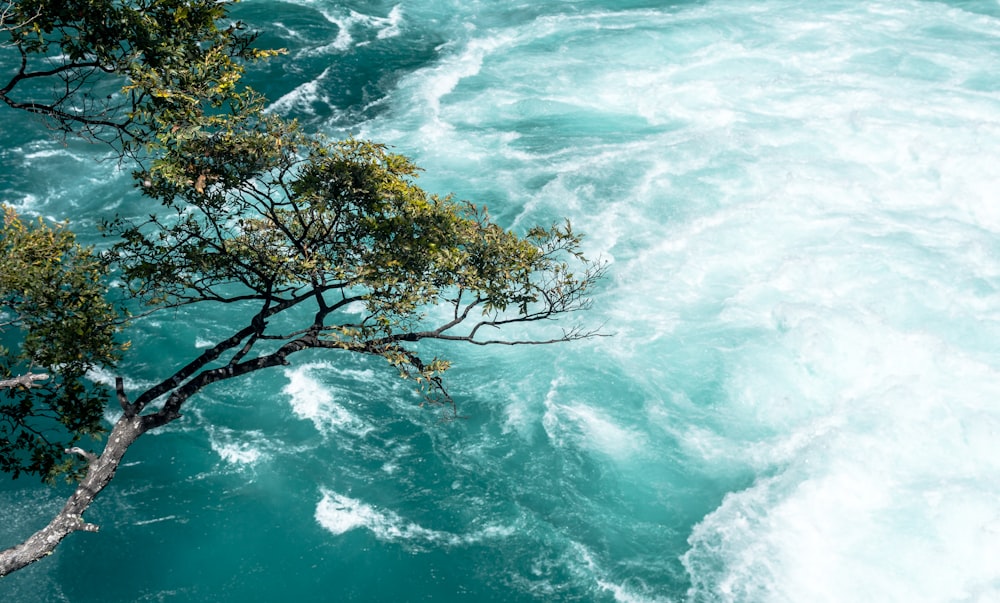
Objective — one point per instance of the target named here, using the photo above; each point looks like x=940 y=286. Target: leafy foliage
x=176 y=57
x=260 y=214
x=55 y=314
x=334 y=238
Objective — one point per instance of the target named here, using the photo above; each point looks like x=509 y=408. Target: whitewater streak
x=800 y=399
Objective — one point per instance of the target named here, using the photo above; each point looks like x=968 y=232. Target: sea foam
x=314 y=400
x=339 y=514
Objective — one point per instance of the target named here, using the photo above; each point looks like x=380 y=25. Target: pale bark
x=26 y=380
x=99 y=473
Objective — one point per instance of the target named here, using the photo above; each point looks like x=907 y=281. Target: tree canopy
x=321 y=245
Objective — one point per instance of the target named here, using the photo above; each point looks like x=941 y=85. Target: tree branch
x=90 y=457
x=127 y=407
x=26 y=381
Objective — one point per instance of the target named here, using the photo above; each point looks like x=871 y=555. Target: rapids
x=799 y=401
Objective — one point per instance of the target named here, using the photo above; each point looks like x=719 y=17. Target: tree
x=322 y=245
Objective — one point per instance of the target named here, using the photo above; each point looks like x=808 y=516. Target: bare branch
x=26 y=381
x=127 y=407
x=5 y=15
x=90 y=457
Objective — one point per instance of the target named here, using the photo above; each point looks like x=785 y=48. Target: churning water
x=801 y=208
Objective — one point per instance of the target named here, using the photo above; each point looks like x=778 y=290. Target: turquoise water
x=799 y=203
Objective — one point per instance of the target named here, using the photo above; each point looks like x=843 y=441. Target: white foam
x=344 y=39
x=587 y=569
x=314 y=400
x=348 y=24
x=573 y=423
x=598 y=430
x=25 y=205
x=340 y=514
x=303 y=97
x=389 y=27
x=881 y=459
x=236 y=448
x=202 y=343
x=436 y=82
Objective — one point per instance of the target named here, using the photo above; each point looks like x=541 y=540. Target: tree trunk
x=70 y=519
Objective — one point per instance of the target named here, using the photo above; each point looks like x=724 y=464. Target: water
x=799 y=400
